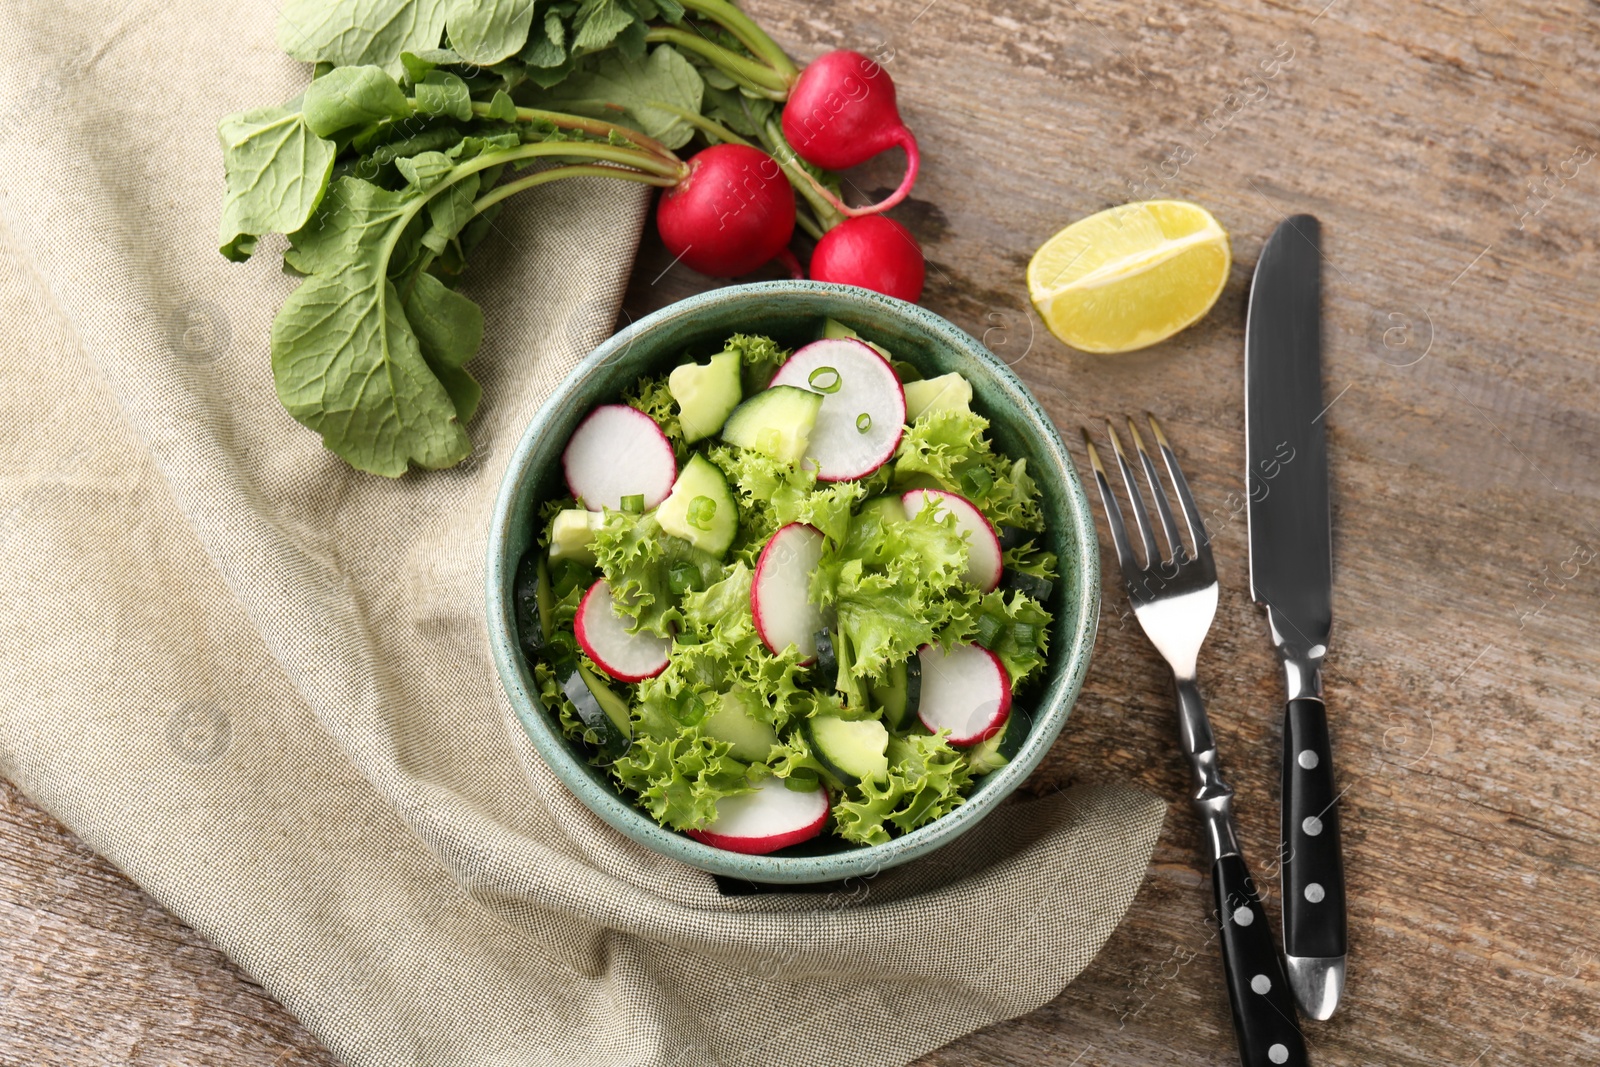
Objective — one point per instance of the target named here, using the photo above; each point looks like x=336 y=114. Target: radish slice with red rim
x=863 y=411
x=964 y=690
x=604 y=635
x=772 y=817
x=618 y=452
x=780 y=592
x=985 y=563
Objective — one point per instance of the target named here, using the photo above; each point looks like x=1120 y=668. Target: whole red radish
x=731 y=213
x=873 y=252
x=841 y=112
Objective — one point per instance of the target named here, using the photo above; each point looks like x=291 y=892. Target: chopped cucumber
x=776 y=422
x=985 y=756
x=948 y=392
x=572 y=535
x=706 y=394
x=602 y=711
x=853 y=750
x=700 y=509
x=735 y=722
x=533 y=602
x=898 y=695
x=887 y=508
x=834 y=328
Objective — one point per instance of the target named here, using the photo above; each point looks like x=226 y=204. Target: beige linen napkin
x=260 y=684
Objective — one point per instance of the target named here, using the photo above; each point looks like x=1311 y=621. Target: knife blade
x=1291 y=577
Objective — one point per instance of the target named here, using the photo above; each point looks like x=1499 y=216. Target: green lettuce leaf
x=927 y=779
x=680 y=779
x=950 y=447
x=638 y=559
x=893 y=587
x=773 y=493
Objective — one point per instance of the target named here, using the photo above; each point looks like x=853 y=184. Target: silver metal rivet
x=1314 y=893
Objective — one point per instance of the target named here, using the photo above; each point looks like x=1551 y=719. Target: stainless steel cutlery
x=1291 y=577
x=1173 y=591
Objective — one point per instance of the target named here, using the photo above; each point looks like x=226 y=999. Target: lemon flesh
x=1130 y=276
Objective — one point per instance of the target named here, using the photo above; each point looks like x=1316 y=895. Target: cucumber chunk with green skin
x=600 y=709
x=776 y=422
x=887 y=508
x=833 y=328
x=948 y=392
x=572 y=535
x=851 y=749
x=533 y=603
x=889 y=696
x=825 y=672
x=700 y=509
x=1002 y=748
x=1029 y=584
x=706 y=394
x=735 y=722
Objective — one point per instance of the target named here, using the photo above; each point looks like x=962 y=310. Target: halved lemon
x=1130 y=276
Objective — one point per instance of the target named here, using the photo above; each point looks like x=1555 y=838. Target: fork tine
x=1141 y=517
x=1191 y=514
x=1158 y=496
x=1108 y=501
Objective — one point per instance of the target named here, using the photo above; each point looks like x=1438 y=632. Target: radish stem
x=701 y=123
x=753 y=75
x=830 y=209
x=749 y=34
x=572 y=170
x=598 y=127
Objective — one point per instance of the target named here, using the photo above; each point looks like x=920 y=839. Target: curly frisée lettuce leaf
x=716 y=649
x=892 y=586
x=680 y=779
x=639 y=561
x=950 y=447
x=774 y=493
x=927 y=779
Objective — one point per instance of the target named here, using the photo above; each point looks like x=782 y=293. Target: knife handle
x=1313 y=869
x=1264 y=1019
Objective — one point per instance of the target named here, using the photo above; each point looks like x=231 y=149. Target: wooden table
x=1448 y=151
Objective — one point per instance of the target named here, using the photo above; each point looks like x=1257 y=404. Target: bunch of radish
x=733 y=208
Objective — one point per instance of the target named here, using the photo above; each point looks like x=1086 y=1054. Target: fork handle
x=1313 y=869
x=1264 y=1019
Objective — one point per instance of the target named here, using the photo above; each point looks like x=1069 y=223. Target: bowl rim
x=1055 y=705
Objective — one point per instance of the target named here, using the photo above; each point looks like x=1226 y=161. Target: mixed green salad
x=790 y=593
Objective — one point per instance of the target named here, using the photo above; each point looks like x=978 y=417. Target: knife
x=1291 y=576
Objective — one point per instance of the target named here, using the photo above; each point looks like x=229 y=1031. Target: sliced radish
x=863 y=406
x=617 y=452
x=772 y=817
x=965 y=690
x=780 y=592
x=627 y=657
x=984 y=561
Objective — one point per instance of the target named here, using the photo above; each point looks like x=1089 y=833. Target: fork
x=1174 y=597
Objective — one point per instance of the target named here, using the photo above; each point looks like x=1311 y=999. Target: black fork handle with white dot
x=1264 y=1019
x=1313 y=871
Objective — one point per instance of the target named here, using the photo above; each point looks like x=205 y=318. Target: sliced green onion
x=702 y=509
x=633 y=505
x=1023 y=634
x=863 y=422
x=682 y=578
x=988 y=629
x=828 y=384
x=977 y=480
x=803 y=780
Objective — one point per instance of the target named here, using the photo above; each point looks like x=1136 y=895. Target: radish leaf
x=346 y=359
x=351 y=96
x=631 y=84
x=276 y=170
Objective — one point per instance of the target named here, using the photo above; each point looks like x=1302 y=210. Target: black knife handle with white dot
x=1264 y=1018
x=1313 y=870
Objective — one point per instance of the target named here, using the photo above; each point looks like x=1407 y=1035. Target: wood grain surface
x=1449 y=151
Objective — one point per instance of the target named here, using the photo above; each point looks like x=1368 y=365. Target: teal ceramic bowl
x=791 y=312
